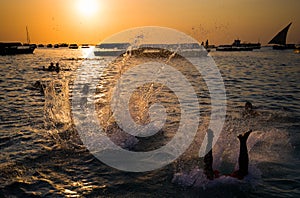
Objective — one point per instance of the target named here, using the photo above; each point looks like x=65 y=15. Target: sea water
x=43 y=155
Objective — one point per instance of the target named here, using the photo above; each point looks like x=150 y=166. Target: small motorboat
x=73 y=46
x=85 y=46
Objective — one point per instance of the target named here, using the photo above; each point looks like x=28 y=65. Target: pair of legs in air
x=243 y=157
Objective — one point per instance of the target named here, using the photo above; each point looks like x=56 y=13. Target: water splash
x=266 y=144
x=57 y=112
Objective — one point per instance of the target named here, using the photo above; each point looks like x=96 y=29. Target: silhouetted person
x=208 y=158
x=57 y=68
x=243 y=157
x=248 y=106
x=249 y=110
x=206 y=44
x=51 y=67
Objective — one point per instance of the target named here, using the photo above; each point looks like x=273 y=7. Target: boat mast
x=27 y=34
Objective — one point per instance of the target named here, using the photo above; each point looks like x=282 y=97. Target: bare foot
x=245 y=135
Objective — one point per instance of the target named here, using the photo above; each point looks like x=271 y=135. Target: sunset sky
x=220 y=21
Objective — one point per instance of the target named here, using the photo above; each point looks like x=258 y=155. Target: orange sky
x=220 y=21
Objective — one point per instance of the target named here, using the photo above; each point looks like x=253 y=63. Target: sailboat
x=279 y=39
x=13 y=48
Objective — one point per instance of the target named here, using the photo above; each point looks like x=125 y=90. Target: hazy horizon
x=91 y=21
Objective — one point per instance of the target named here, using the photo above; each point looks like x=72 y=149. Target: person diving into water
x=243 y=157
x=208 y=158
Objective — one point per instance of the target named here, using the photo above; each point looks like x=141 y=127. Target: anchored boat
x=279 y=40
x=238 y=46
x=73 y=46
x=13 y=48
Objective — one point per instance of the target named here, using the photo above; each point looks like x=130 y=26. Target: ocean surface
x=42 y=154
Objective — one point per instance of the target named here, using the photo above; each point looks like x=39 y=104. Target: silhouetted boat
x=14 y=48
x=238 y=46
x=49 y=46
x=63 y=45
x=279 y=40
x=150 y=50
x=85 y=46
x=30 y=44
x=73 y=46
x=56 y=46
x=111 y=49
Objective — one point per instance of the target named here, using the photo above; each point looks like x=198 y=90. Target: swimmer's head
x=248 y=106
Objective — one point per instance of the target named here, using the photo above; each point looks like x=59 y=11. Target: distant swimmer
x=248 y=106
x=248 y=111
x=51 y=67
x=57 y=68
x=243 y=158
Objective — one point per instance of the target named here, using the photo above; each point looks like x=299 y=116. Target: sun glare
x=87 y=7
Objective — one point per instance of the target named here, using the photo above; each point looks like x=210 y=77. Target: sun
x=87 y=7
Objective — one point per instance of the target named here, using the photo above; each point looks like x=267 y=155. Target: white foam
x=197 y=179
